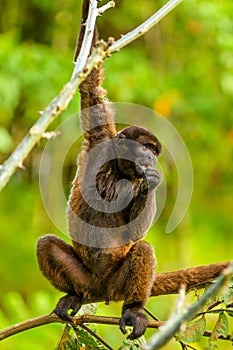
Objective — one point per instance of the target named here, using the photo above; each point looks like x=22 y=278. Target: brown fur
x=191 y=278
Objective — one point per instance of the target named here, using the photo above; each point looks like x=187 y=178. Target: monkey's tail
x=97 y=122
x=197 y=277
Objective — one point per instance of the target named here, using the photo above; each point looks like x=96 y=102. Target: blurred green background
x=183 y=68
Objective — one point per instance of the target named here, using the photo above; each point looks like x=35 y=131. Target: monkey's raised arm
x=97 y=117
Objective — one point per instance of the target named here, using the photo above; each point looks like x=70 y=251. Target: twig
x=216 y=311
x=174 y=323
x=209 y=333
x=186 y=346
x=52 y=318
x=106 y=7
x=61 y=101
x=213 y=305
x=150 y=314
x=101 y=340
x=144 y=27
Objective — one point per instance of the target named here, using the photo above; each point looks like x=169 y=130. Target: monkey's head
x=137 y=149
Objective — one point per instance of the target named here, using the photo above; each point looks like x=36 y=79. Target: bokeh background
x=183 y=68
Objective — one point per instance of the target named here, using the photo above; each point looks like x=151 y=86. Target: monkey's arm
x=97 y=117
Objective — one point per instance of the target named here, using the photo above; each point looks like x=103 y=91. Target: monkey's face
x=137 y=150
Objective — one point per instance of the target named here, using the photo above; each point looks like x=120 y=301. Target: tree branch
x=106 y=7
x=62 y=100
x=87 y=39
x=52 y=318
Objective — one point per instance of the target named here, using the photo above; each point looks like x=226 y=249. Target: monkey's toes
x=136 y=319
x=66 y=303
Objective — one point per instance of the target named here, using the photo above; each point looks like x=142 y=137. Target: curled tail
x=98 y=121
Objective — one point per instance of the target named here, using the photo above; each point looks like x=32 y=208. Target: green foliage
x=195 y=329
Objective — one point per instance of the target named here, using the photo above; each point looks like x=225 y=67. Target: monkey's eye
x=144 y=148
x=154 y=152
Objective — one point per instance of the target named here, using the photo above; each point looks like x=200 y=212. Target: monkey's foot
x=66 y=303
x=136 y=319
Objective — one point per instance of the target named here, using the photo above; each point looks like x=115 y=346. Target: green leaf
x=221 y=327
x=193 y=331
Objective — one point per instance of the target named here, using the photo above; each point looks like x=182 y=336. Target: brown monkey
x=111 y=206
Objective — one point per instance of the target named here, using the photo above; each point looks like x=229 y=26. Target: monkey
x=110 y=209
x=107 y=259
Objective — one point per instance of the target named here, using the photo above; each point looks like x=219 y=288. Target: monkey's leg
x=133 y=283
x=60 y=264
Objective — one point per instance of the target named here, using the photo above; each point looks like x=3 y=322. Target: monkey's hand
x=151 y=179
x=65 y=304
x=136 y=319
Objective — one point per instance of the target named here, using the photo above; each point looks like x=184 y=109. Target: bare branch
x=52 y=318
x=106 y=7
x=144 y=27
x=87 y=39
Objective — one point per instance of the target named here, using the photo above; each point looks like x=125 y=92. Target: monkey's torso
x=102 y=239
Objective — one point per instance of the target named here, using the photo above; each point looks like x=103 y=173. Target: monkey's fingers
x=122 y=325
x=136 y=319
x=65 y=304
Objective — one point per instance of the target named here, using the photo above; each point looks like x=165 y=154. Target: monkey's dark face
x=137 y=149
